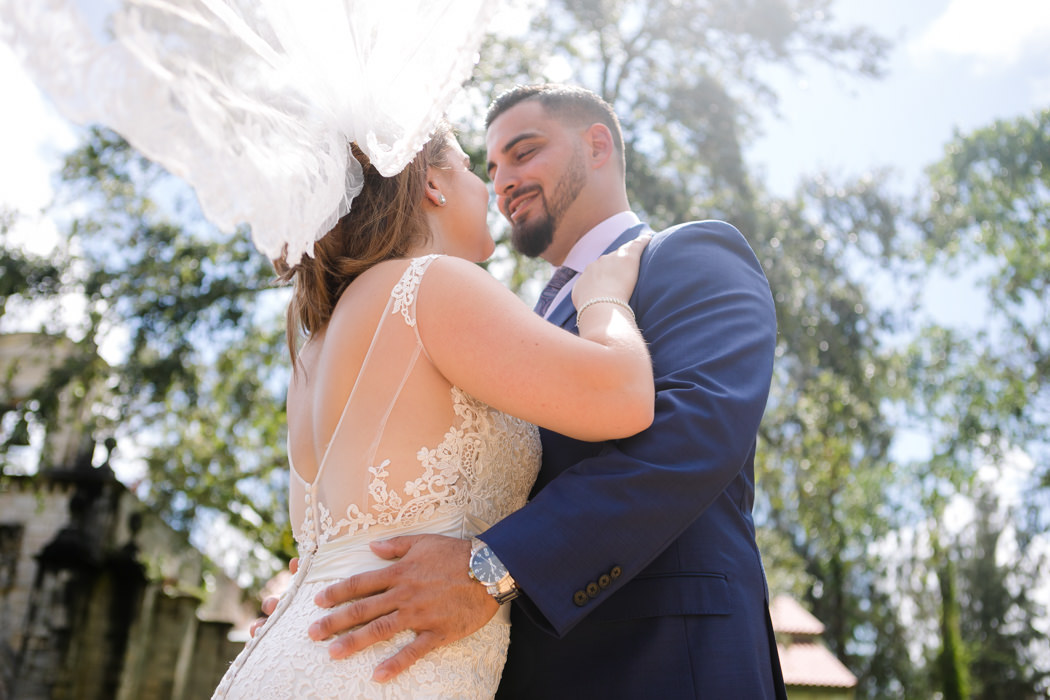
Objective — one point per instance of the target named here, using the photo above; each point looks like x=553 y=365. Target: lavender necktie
x=558 y=280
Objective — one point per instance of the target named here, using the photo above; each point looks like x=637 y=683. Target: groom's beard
x=534 y=236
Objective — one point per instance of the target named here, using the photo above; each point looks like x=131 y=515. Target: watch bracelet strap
x=506 y=596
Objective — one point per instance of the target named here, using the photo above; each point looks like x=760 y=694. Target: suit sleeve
x=705 y=309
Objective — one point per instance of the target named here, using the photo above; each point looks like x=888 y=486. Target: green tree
x=980 y=391
x=824 y=466
x=951 y=667
x=998 y=613
x=989 y=210
x=25 y=281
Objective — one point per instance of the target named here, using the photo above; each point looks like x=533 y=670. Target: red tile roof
x=803 y=658
x=791 y=618
x=806 y=664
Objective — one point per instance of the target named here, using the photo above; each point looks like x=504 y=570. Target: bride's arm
x=484 y=340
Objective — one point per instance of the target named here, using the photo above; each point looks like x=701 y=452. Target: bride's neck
x=434 y=244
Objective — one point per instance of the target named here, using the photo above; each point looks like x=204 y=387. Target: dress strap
x=404 y=292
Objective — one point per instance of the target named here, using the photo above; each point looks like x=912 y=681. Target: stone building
x=99 y=598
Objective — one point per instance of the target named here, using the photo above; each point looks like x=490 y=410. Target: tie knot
x=558 y=279
x=561 y=276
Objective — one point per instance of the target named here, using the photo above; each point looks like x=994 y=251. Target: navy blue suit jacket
x=637 y=557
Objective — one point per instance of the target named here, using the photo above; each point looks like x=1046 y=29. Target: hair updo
x=385 y=221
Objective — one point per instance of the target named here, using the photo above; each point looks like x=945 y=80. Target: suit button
x=593 y=590
x=580 y=598
x=604 y=580
x=615 y=572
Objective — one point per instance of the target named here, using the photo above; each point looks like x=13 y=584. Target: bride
x=411 y=410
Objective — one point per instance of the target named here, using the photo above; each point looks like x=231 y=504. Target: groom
x=634 y=564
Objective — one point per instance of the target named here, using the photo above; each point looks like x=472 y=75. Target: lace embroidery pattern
x=286 y=664
x=404 y=292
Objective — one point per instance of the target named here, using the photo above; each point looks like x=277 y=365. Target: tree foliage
x=989 y=209
x=996 y=592
x=981 y=392
x=824 y=467
x=197 y=330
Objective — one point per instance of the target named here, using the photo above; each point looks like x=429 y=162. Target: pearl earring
x=441 y=200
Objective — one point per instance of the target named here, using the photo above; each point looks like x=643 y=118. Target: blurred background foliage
x=884 y=436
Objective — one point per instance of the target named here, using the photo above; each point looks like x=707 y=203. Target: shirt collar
x=593 y=243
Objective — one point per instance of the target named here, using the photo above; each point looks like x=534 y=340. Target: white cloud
x=996 y=33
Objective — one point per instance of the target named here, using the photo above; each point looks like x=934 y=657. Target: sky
x=955 y=65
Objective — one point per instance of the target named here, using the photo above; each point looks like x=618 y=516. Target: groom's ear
x=598 y=141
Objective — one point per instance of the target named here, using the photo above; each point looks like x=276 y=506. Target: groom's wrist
x=487 y=569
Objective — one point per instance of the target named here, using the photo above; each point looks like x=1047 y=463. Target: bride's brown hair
x=384 y=222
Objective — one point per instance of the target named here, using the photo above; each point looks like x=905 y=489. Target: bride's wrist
x=604 y=300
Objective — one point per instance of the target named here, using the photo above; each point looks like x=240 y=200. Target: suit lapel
x=564 y=314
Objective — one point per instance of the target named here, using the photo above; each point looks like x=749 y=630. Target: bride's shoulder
x=449 y=270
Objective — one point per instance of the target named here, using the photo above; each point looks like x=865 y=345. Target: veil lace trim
x=254 y=102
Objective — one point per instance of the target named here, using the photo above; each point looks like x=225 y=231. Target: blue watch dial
x=487 y=567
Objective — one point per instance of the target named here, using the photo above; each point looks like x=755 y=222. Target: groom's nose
x=504 y=179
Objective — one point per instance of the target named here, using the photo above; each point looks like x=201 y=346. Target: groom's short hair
x=567 y=103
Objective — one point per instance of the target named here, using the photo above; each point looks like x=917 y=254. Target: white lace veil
x=254 y=102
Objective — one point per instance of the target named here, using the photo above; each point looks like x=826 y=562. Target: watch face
x=487 y=569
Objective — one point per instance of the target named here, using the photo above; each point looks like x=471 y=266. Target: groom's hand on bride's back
x=427 y=590
x=270 y=604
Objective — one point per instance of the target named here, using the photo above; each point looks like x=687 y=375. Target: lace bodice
x=483 y=466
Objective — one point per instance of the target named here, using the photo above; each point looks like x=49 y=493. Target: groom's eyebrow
x=511 y=144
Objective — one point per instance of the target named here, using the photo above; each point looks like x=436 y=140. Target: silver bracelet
x=603 y=300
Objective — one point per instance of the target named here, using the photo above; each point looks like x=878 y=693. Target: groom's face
x=538 y=170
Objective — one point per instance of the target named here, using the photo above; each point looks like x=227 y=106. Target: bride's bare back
x=378 y=437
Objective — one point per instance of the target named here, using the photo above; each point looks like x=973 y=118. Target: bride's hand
x=270 y=604
x=612 y=275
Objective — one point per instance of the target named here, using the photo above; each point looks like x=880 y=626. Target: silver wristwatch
x=489 y=571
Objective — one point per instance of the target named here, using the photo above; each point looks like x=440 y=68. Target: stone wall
x=129 y=621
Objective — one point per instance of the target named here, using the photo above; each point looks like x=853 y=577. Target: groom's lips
x=517 y=205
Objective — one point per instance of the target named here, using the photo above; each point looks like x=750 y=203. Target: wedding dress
x=410 y=454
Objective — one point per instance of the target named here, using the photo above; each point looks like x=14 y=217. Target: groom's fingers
x=346 y=617
x=424 y=643
x=428 y=590
x=378 y=630
x=359 y=586
x=368 y=583
x=395 y=547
